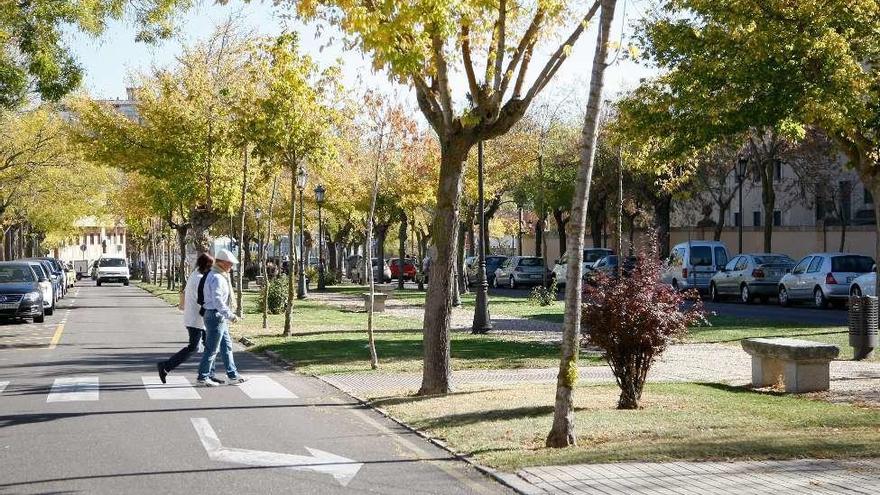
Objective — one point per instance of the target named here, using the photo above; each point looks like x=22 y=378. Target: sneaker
x=237 y=380
x=207 y=383
x=216 y=380
x=162 y=372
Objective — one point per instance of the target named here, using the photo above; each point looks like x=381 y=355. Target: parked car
x=750 y=276
x=492 y=264
x=591 y=256
x=864 y=285
x=47 y=287
x=409 y=268
x=864 y=217
x=20 y=292
x=521 y=270
x=693 y=264
x=360 y=274
x=112 y=269
x=61 y=270
x=55 y=277
x=610 y=267
x=823 y=278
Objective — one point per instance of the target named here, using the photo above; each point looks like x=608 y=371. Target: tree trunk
x=539 y=237
x=438 y=304
x=471 y=240
x=562 y=433
x=263 y=268
x=843 y=223
x=242 y=241
x=381 y=235
x=461 y=280
x=768 y=199
x=875 y=190
x=662 y=213
x=291 y=230
x=560 y=228
x=200 y=220
x=596 y=227
x=404 y=222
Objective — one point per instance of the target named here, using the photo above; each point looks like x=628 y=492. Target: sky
x=110 y=59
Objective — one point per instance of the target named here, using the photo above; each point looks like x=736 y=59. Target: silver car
x=864 y=285
x=750 y=276
x=520 y=270
x=823 y=278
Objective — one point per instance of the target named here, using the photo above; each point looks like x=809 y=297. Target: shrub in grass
x=544 y=296
x=276 y=296
x=633 y=319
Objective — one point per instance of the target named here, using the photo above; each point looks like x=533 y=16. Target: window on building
x=777 y=170
x=820 y=207
x=869 y=198
x=92 y=239
x=756 y=218
x=777 y=218
x=736 y=219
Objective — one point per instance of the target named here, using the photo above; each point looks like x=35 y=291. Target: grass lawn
x=730 y=330
x=327 y=339
x=506 y=428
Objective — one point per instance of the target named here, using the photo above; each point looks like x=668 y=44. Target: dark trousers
x=195 y=335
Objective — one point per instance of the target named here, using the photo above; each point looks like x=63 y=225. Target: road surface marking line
x=57 y=337
x=177 y=388
x=3 y=386
x=78 y=388
x=263 y=387
x=341 y=468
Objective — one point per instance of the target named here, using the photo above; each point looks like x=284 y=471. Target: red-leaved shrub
x=633 y=318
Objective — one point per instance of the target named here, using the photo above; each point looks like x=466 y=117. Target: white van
x=112 y=269
x=692 y=264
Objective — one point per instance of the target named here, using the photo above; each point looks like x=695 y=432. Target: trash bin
x=863 y=312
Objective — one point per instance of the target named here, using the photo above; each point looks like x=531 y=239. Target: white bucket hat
x=226 y=255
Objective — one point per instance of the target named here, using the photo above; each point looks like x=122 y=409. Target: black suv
x=20 y=295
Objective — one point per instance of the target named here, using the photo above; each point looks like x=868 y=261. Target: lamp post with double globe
x=301 y=291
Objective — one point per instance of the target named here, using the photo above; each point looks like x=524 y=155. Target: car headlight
x=31 y=297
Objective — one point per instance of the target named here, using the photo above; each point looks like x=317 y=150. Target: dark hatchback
x=20 y=295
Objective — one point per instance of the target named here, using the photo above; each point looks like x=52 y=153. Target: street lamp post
x=319 y=198
x=482 y=319
x=740 y=177
x=301 y=291
x=519 y=232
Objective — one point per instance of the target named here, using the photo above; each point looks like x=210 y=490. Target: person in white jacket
x=192 y=320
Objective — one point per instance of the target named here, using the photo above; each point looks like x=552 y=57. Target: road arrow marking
x=341 y=468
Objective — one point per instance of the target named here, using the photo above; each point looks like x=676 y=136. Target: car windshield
x=701 y=256
x=495 y=260
x=11 y=274
x=531 y=262
x=112 y=262
x=773 y=260
x=591 y=255
x=851 y=263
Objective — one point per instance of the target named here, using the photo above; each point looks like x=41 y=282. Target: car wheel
x=41 y=318
x=819 y=299
x=512 y=282
x=783 y=296
x=855 y=291
x=713 y=293
x=125 y=283
x=99 y=283
x=745 y=295
x=49 y=311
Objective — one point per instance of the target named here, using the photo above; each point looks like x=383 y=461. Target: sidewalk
x=702 y=478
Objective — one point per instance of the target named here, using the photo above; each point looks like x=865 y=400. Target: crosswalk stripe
x=79 y=388
x=263 y=387
x=3 y=386
x=177 y=388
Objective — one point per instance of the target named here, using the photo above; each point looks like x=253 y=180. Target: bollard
x=863 y=335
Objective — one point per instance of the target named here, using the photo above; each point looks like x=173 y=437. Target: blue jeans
x=216 y=340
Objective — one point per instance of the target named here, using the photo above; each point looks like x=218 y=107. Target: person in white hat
x=217 y=303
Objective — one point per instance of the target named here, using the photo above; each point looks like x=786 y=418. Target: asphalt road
x=88 y=416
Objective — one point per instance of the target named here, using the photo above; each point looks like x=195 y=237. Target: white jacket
x=191 y=316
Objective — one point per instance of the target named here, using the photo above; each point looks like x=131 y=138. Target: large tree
x=424 y=43
x=34 y=58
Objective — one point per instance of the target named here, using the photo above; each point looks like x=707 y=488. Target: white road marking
x=3 y=386
x=177 y=388
x=341 y=468
x=80 y=388
x=263 y=387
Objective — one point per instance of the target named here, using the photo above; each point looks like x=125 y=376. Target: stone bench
x=378 y=301
x=801 y=365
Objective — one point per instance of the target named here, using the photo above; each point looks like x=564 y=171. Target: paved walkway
x=701 y=478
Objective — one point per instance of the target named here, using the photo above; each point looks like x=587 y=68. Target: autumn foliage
x=633 y=319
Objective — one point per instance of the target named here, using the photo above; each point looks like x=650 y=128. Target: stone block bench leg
x=809 y=376
x=767 y=371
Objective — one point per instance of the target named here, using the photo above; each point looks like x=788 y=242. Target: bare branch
x=528 y=40
x=476 y=93
x=499 y=51
x=442 y=78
